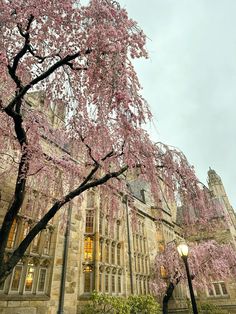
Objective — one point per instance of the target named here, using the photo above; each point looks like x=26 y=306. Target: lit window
x=42 y=279
x=89 y=221
x=12 y=235
x=29 y=279
x=88 y=248
x=15 y=284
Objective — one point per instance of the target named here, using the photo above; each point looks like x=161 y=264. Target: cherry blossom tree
x=208 y=261
x=76 y=61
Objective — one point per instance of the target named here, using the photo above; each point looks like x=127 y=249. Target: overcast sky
x=189 y=80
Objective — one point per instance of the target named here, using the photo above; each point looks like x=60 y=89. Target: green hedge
x=106 y=304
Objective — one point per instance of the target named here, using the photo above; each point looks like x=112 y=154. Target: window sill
x=24 y=297
x=218 y=297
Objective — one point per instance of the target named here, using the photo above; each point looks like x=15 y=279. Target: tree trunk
x=167 y=296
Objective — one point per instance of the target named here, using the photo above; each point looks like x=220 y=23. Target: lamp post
x=183 y=252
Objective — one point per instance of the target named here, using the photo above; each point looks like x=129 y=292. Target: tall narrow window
x=42 y=279
x=119 y=284
x=146 y=264
x=88 y=249
x=101 y=224
x=142 y=264
x=118 y=230
x=134 y=243
x=144 y=286
x=47 y=242
x=15 y=284
x=106 y=226
x=107 y=255
x=29 y=281
x=140 y=286
x=12 y=235
x=113 y=283
x=144 y=245
x=35 y=244
x=89 y=221
x=118 y=254
x=135 y=262
x=100 y=282
x=113 y=253
x=137 y=242
x=88 y=279
x=106 y=283
x=90 y=199
x=101 y=250
x=140 y=245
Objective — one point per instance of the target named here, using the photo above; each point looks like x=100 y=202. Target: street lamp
x=183 y=252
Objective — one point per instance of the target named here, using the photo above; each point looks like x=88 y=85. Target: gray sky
x=189 y=80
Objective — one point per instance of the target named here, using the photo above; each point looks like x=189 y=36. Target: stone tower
x=218 y=192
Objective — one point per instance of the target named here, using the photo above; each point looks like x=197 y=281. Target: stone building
x=220 y=293
x=110 y=252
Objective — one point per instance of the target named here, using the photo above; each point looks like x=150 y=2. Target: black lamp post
x=183 y=252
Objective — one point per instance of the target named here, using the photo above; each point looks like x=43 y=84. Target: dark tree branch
x=6 y=268
x=44 y=75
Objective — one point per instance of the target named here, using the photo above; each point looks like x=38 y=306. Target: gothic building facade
x=95 y=248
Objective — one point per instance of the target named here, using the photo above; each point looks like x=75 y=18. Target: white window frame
x=214 y=295
x=13 y=274
x=45 y=282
